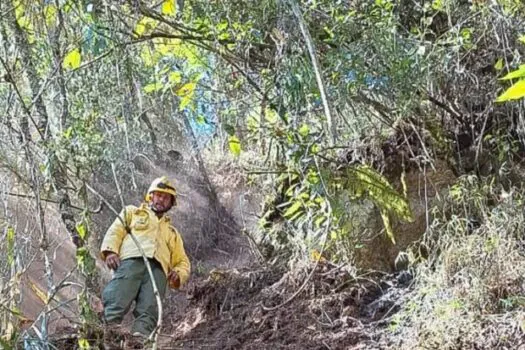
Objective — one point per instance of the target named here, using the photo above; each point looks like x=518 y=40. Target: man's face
x=161 y=202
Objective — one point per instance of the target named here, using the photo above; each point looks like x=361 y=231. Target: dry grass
x=470 y=292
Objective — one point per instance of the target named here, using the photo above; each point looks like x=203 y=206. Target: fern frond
x=365 y=181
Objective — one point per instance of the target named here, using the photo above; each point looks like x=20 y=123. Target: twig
x=443 y=106
x=51 y=295
x=97 y=210
x=423 y=146
x=480 y=142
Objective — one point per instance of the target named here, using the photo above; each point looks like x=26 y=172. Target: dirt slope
x=242 y=309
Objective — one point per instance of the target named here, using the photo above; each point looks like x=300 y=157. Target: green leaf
x=168 y=8
x=68 y=133
x=153 y=87
x=224 y=36
x=515 y=92
x=235 y=145
x=144 y=25
x=83 y=344
x=201 y=119
x=292 y=209
x=499 y=64
x=81 y=254
x=518 y=73
x=81 y=229
x=175 y=77
x=304 y=130
x=72 y=59
x=522 y=39
x=222 y=26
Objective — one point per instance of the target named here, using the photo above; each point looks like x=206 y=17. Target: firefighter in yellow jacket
x=163 y=247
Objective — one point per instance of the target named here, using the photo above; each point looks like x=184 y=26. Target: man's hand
x=174 y=279
x=112 y=261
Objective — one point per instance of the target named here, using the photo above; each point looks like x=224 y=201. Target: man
x=162 y=245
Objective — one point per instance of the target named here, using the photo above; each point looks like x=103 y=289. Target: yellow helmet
x=162 y=184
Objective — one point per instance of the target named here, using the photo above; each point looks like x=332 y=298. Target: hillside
x=349 y=175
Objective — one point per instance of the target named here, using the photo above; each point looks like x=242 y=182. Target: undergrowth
x=469 y=291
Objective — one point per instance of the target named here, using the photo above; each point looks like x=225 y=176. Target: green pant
x=131 y=282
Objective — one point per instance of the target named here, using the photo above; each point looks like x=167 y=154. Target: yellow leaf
x=186 y=89
x=515 y=92
x=24 y=22
x=316 y=256
x=175 y=77
x=518 y=73
x=499 y=64
x=83 y=344
x=146 y=24
x=153 y=87
x=235 y=145
x=292 y=209
x=163 y=49
x=147 y=56
x=388 y=226
x=186 y=93
x=168 y=8
x=72 y=59
x=39 y=293
x=522 y=39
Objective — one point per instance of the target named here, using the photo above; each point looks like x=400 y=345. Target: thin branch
x=185 y=37
x=20 y=195
x=315 y=64
x=443 y=106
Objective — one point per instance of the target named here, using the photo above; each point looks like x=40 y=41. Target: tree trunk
x=30 y=71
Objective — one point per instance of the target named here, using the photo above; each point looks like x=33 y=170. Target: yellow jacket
x=158 y=238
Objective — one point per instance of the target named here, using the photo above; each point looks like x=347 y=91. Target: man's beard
x=158 y=211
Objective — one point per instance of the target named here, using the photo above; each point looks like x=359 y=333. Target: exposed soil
x=241 y=309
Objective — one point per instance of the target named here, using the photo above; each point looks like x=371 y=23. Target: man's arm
x=115 y=234
x=180 y=264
